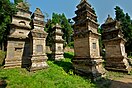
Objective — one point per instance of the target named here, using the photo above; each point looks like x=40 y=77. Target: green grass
x=115 y=75
x=58 y=75
x=2 y=57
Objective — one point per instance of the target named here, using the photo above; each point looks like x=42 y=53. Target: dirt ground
x=122 y=82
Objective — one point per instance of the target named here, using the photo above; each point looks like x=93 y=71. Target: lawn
x=58 y=75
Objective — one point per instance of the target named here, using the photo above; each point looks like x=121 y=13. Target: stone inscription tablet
x=39 y=48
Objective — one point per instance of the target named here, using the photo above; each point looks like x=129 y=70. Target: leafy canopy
x=7 y=9
x=66 y=28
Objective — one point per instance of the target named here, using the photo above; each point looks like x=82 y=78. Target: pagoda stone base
x=38 y=62
x=58 y=57
x=12 y=63
x=89 y=67
x=118 y=64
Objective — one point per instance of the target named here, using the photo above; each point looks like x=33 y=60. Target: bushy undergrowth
x=58 y=75
x=2 y=57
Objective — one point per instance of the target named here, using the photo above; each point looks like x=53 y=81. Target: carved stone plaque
x=94 y=45
x=11 y=54
x=59 y=48
x=39 y=48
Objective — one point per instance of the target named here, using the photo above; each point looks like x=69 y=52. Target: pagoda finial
x=109 y=19
x=38 y=11
x=23 y=6
x=83 y=1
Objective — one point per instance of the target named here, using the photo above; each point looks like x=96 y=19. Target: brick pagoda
x=87 y=60
x=38 y=42
x=116 y=57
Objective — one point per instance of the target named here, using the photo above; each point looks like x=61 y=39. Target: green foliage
x=126 y=24
x=130 y=55
x=56 y=18
x=119 y=13
x=115 y=75
x=69 y=55
x=58 y=75
x=7 y=9
x=66 y=28
x=101 y=42
x=2 y=57
x=71 y=44
x=49 y=30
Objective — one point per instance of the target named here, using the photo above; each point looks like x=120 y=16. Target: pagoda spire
x=83 y=1
x=87 y=60
x=109 y=19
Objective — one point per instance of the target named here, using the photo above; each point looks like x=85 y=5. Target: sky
x=68 y=7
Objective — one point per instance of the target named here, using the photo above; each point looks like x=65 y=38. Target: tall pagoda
x=116 y=57
x=87 y=60
x=38 y=42
x=18 y=40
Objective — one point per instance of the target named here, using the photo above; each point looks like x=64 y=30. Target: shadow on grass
x=3 y=82
x=102 y=83
x=67 y=66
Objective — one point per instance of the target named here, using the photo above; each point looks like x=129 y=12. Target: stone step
x=12 y=65
x=117 y=69
x=10 y=62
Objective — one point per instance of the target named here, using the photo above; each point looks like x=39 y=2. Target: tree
x=66 y=28
x=119 y=14
x=7 y=9
x=126 y=24
x=56 y=18
x=49 y=30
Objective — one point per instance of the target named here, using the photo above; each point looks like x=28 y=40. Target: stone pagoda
x=16 y=44
x=37 y=42
x=87 y=60
x=57 y=48
x=116 y=57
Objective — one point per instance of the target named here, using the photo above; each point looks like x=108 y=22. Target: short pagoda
x=116 y=57
x=87 y=60
x=58 y=43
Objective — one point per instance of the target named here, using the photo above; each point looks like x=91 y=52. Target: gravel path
x=125 y=82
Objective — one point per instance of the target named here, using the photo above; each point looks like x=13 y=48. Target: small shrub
x=2 y=57
x=130 y=57
x=68 y=55
x=71 y=44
